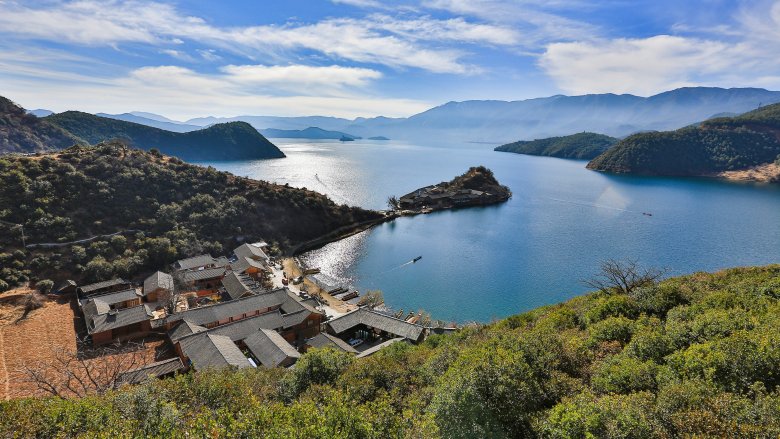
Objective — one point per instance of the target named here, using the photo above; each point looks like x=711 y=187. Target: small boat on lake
x=647 y=214
x=416 y=259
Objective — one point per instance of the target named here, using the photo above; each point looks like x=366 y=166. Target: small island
x=477 y=187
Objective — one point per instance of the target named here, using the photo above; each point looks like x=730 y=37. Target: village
x=245 y=310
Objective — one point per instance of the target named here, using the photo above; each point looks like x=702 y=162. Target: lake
x=562 y=221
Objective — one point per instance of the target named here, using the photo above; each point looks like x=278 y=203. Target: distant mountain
x=40 y=112
x=503 y=122
x=176 y=127
x=378 y=138
x=716 y=145
x=227 y=141
x=153 y=116
x=308 y=133
x=583 y=146
x=26 y=133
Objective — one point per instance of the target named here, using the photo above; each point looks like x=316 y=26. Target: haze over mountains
x=502 y=122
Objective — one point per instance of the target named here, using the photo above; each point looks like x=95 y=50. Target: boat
x=416 y=259
x=647 y=214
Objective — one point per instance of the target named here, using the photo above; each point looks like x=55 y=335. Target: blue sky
x=352 y=58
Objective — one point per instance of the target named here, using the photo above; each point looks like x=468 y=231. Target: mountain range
x=502 y=122
x=308 y=133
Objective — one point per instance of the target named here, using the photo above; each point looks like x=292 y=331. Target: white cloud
x=377 y=39
x=179 y=92
x=650 y=65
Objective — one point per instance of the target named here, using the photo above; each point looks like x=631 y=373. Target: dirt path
x=293 y=270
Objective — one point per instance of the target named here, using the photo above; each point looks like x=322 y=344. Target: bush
x=623 y=374
x=611 y=329
x=44 y=286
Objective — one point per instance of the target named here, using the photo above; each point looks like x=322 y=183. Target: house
x=104 y=287
x=376 y=348
x=237 y=286
x=205 y=281
x=251 y=267
x=159 y=369
x=270 y=349
x=251 y=251
x=365 y=323
x=199 y=263
x=323 y=340
x=106 y=325
x=158 y=287
x=212 y=351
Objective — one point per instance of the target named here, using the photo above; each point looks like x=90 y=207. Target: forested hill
x=26 y=133
x=583 y=146
x=716 y=145
x=181 y=210
x=226 y=141
x=694 y=356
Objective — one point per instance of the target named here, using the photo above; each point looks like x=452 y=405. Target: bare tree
x=86 y=371
x=372 y=299
x=623 y=277
x=179 y=286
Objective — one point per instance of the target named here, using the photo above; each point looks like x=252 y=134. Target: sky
x=351 y=58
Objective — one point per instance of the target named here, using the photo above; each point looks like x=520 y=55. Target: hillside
x=693 y=356
x=308 y=133
x=582 y=146
x=716 y=145
x=227 y=141
x=179 y=209
x=26 y=133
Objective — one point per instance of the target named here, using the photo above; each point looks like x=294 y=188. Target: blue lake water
x=491 y=262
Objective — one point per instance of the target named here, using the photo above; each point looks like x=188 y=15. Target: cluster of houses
x=220 y=312
x=437 y=197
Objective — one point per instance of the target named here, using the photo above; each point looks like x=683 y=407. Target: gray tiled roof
x=243 y=264
x=323 y=339
x=86 y=289
x=200 y=261
x=119 y=319
x=113 y=298
x=250 y=251
x=376 y=320
x=237 y=285
x=232 y=308
x=158 y=280
x=184 y=329
x=94 y=307
x=157 y=369
x=206 y=273
x=207 y=351
x=270 y=348
x=374 y=349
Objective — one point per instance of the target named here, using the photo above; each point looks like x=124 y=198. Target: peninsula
x=477 y=187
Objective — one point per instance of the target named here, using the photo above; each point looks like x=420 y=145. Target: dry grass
x=766 y=173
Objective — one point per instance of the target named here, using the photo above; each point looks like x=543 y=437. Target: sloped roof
x=374 y=349
x=250 y=251
x=184 y=329
x=376 y=320
x=199 y=261
x=243 y=264
x=114 y=297
x=119 y=319
x=323 y=339
x=206 y=273
x=157 y=369
x=86 y=289
x=237 y=285
x=93 y=307
x=232 y=308
x=207 y=351
x=270 y=348
x=158 y=280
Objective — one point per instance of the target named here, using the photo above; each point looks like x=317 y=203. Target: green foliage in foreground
x=695 y=356
x=173 y=209
x=582 y=146
x=720 y=144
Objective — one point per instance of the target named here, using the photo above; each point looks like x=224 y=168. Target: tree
x=44 y=286
x=87 y=370
x=372 y=299
x=623 y=277
x=392 y=202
